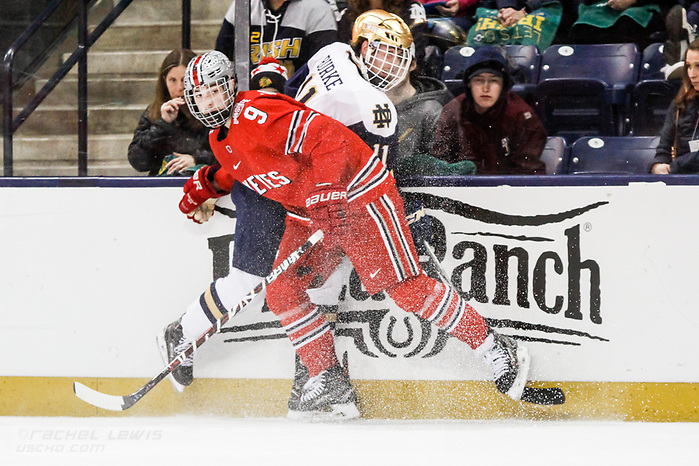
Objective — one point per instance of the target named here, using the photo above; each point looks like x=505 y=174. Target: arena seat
x=584 y=89
x=614 y=154
x=526 y=63
x=652 y=95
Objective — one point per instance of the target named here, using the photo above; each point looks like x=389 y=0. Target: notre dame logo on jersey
x=382 y=116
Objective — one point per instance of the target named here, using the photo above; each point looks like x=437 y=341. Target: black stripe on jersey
x=379 y=178
x=292 y=131
x=441 y=308
x=388 y=242
x=393 y=216
x=304 y=131
x=458 y=313
x=364 y=172
x=312 y=335
x=302 y=322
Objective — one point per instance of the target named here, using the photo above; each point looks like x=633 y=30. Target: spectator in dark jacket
x=168 y=139
x=678 y=149
x=488 y=125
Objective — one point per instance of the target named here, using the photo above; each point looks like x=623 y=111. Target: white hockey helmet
x=391 y=49
x=210 y=86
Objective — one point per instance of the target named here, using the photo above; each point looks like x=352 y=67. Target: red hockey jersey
x=283 y=150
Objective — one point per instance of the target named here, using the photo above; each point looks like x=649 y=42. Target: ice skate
x=329 y=396
x=300 y=379
x=509 y=362
x=171 y=343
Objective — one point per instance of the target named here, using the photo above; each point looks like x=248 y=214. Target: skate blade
x=515 y=392
x=339 y=413
x=162 y=349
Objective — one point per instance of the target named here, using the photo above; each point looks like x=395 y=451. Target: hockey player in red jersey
x=327 y=178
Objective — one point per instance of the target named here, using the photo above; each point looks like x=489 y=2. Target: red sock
x=312 y=338
x=441 y=305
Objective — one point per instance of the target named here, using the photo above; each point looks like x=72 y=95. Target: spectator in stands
x=569 y=15
x=681 y=26
x=168 y=139
x=291 y=31
x=618 y=21
x=511 y=22
x=410 y=11
x=690 y=17
x=489 y=125
x=678 y=149
x=448 y=8
x=460 y=11
x=680 y=31
x=511 y=11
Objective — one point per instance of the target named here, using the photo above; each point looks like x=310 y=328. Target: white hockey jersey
x=335 y=87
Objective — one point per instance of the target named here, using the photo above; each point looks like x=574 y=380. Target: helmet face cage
x=390 y=50
x=210 y=88
x=387 y=65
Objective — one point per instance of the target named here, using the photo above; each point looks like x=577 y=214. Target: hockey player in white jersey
x=336 y=86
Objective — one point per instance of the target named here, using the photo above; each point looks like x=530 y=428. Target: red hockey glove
x=329 y=210
x=198 y=189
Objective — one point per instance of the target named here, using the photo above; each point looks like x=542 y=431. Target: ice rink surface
x=185 y=440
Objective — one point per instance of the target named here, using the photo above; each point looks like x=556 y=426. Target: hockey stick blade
x=104 y=401
x=548 y=396
x=122 y=403
x=541 y=396
x=99 y=399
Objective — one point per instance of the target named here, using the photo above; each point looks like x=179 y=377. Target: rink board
x=598 y=281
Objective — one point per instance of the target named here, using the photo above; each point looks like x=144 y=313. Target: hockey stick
x=122 y=403
x=539 y=396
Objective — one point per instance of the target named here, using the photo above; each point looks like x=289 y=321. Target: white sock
x=230 y=290
x=486 y=346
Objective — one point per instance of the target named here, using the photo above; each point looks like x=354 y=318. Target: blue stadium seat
x=453 y=67
x=652 y=62
x=616 y=154
x=652 y=95
x=524 y=59
x=584 y=89
x=555 y=156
